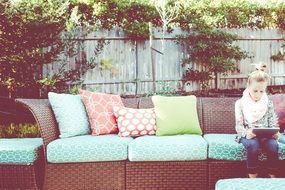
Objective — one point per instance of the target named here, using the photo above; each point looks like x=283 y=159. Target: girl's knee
x=272 y=145
x=253 y=145
x=273 y=142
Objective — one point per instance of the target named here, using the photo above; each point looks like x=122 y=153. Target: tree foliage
x=30 y=36
x=212 y=49
x=36 y=32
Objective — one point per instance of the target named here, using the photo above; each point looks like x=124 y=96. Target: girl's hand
x=250 y=134
x=276 y=136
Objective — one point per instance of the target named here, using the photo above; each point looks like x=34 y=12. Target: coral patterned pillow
x=135 y=122
x=99 y=107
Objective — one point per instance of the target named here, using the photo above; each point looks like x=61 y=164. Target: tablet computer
x=265 y=132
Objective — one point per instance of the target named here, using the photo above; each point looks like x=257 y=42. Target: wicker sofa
x=216 y=115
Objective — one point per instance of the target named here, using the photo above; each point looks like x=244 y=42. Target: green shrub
x=212 y=48
x=22 y=130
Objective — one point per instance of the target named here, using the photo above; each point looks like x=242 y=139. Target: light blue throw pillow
x=70 y=114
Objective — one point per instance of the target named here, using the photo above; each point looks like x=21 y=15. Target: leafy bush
x=34 y=33
x=212 y=49
x=30 y=37
x=23 y=130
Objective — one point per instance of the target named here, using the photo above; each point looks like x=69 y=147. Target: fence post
x=137 y=69
x=152 y=53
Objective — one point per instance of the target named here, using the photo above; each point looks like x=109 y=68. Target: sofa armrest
x=44 y=117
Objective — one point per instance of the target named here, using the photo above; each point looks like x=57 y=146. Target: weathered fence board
x=131 y=70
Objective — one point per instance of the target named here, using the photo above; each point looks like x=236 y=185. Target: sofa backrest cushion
x=145 y=102
x=216 y=115
x=70 y=114
x=219 y=114
x=131 y=102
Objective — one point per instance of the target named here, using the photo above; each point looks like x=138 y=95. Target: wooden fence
x=131 y=71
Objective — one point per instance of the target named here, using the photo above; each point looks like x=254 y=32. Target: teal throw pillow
x=70 y=114
x=176 y=115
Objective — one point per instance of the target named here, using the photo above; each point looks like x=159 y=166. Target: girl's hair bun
x=260 y=67
x=259 y=74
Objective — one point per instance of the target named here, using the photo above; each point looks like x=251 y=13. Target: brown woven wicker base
x=95 y=175
x=281 y=171
x=223 y=170
x=17 y=176
x=176 y=175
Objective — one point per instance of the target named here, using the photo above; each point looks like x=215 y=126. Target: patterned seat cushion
x=19 y=150
x=88 y=148
x=168 y=148
x=246 y=184
x=224 y=147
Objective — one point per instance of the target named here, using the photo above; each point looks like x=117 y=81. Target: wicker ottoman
x=246 y=184
x=21 y=163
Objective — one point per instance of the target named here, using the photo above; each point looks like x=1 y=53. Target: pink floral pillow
x=99 y=108
x=135 y=122
x=279 y=108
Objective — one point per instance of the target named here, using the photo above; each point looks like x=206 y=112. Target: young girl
x=255 y=109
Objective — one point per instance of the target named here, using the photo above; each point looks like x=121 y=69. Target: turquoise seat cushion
x=282 y=138
x=19 y=150
x=254 y=184
x=224 y=147
x=87 y=148
x=168 y=148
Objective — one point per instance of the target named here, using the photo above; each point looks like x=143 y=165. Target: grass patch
x=22 y=130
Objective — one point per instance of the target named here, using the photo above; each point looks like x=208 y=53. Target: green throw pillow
x=176 y=115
